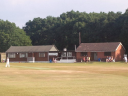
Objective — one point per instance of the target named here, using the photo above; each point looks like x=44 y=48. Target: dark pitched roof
x=98 y=47
x=43 y=48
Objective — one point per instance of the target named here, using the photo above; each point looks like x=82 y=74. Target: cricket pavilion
x=100 y=51
x=42 y=53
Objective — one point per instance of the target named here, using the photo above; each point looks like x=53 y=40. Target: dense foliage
x=64 y=31
x=10 y=35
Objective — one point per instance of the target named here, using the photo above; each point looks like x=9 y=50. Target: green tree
x=10 y=35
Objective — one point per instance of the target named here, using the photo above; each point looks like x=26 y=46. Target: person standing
x=55 y=60
x=7 y=63
x=125 y=59
x=88 y=59
x=84 y=59
x=107 y=59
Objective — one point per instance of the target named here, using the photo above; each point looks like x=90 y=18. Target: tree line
x=63 y=31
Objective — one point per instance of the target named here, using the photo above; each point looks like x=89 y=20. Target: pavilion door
x=95 y=56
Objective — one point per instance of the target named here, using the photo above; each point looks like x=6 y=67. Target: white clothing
x=113 y=60
x=125 y=58
x=7 y=63
x=109 y=58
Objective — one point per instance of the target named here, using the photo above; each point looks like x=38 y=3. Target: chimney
x=79 y=38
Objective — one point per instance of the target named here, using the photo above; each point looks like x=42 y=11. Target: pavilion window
x=69 y=54
x=63 y=54
x=107 y=53
x=11 y=55
x=42 y=54
x=83 y=53
x=23 y=55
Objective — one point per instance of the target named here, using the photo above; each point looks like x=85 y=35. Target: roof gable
x=43 y=48
x=53 y=49
x=98 y=47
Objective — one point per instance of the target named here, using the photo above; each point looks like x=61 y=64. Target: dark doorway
x=92 y=56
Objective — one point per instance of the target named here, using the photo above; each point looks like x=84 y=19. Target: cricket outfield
x=64 y=79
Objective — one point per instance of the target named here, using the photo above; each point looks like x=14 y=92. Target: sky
x=21 y=11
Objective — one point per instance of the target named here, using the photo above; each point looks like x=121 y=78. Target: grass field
x=64 y=79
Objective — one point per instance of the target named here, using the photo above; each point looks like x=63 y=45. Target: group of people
x=86 y=59
x=109 y=59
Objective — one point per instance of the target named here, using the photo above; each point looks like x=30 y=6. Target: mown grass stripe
x=32 y=67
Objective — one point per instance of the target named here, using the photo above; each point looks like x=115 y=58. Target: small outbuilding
x=100 y=51
x=2 y=57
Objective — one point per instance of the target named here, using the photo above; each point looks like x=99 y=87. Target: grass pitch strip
x=37 y=68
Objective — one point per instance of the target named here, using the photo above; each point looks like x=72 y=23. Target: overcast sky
x=21 y=11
